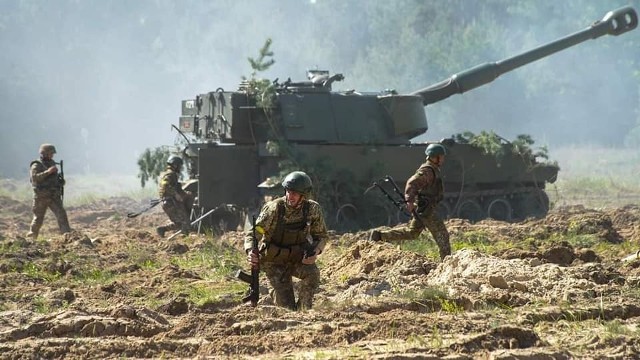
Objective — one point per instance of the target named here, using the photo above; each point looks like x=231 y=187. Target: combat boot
x=375 y=235
x=161 y=230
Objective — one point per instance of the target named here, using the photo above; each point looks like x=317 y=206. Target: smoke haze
x=103 y=80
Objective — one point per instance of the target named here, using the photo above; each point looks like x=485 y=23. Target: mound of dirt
x=479 y=278
x=367 y=269
x=112 y=288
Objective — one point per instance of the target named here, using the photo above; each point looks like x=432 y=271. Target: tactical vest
x=289 y=239
x=430 y=196
x=51 y=182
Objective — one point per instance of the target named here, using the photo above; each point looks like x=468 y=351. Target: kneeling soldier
x=294 y=234
x=176 y=202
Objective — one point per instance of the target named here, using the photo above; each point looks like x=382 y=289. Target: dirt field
x=554 y=288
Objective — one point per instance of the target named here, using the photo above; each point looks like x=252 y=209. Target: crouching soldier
x=47 y=191
x=293 y=235
x=176 y=202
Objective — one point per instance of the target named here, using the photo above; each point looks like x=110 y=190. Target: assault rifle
x=400 y=203
x=309 y=248
x=254 y=278
x=152 y=204
x=61 y=179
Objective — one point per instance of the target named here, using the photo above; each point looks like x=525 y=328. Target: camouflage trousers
x=178 y=213
x=281 y=279
x=43 y=200
x=431 y=221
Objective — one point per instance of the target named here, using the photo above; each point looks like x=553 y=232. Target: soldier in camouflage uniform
x=176 y=202
x=293 y=235
x=47 y=191
x=425 y=187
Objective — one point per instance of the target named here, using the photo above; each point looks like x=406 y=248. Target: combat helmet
x=175 y=160
x=435 y=150
x=299 y=182
x=46 y=148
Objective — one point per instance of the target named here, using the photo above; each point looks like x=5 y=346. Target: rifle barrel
x=400 y=204
x=254 y=279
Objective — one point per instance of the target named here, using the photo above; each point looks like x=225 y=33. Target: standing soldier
x=293 y=235
x=425 y=187
x=47 y=191
x=176 y=202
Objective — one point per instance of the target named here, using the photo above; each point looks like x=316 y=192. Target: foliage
x=263 y=89
x=95 y=276
x=37 y=272
x=151 y=163
x=422 y=245
x=494 y=144
x=142 y=256
x=41 y=305
x=218 y=261
x=522 y=146
x=450 y=306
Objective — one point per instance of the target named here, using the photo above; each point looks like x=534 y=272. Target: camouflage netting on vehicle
x=492 y=143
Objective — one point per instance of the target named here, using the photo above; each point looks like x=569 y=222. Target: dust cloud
x=104 y=80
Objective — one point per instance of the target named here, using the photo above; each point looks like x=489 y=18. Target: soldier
x=293 y=235
x=176 y=202
x=47 y=191
x=425 y=187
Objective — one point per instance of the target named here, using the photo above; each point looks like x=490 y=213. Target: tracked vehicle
x=347 y=139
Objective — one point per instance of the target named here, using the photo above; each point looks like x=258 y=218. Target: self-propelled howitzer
x=347 y=139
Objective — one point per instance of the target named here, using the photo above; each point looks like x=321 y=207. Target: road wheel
x=471 y=210
x=499 y=208
x=347 y=218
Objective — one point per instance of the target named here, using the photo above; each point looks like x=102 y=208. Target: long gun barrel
x=615 y=22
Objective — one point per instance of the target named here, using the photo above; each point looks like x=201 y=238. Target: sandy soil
x=553 y=288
